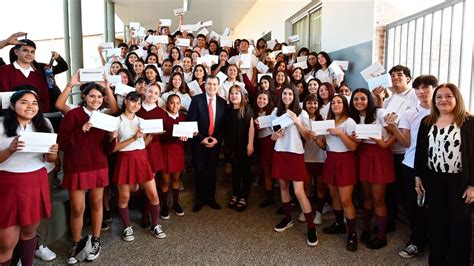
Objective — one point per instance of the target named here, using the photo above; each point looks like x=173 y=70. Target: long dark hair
x=129 y=76
x=345 y=108
x=152 y=67
x=328 y=60
x=205 y=72
x=270 y=106
x=312 y=98
x=10 y=121
x=293 y=106
x=183 y=88
x=132 y=96
x=128 y=64
x=331 y=92
x=370 y=111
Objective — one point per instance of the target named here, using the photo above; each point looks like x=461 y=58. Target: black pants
x=416 y=214
x=241 y=177
x=392 y=194
x=450 y=220
x=205 y=163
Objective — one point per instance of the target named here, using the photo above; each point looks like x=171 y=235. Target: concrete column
x=76 y=35
x=105 y=21
x=67 y=41
x=126 y=33
x=110 y=21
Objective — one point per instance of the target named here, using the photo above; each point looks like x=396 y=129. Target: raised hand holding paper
x=321 y=127
x=302 y=64
x=262 y=68
x=165 y=22
x=114 y=79
x=103 y=121
x=226 y=41
x=122 y=89
x=288 y=49
x=222 y=77
x=383 y=80
x=91 y=75
x=372 y=71
x=334 y=67
x=294 y=38
x=182 y=42
x=344 y=65
x=37 y=142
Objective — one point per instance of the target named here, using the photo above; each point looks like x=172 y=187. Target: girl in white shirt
x=323 y=73
x=132 y=167
x=232 y=75
x=178 y=87
x=289 y=151
x=24 y=186
x=325 y=93
x=339 y=168
x=188 y=69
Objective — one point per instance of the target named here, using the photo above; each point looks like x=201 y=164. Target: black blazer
x=467 y=151
x=198 y=111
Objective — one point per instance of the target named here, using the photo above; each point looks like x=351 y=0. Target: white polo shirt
x=411 y=120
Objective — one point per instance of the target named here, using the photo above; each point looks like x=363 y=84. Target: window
x=308 y=27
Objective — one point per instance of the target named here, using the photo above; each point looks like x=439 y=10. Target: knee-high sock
x=124 y=216
x=155 y=213
x=27 y=251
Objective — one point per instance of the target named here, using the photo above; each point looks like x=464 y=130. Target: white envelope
x=372 y=71
x=192 y=125
x=383 y=80
x=197 y=26
x=342 y=64
x=302 y=64
x=321 y=127
x=37 y=142
x=226 y=31
x=259 y=76
x=194 y=86
x=226 y=41
x=336 y=70
x=163 y=39
x=122 y=89
x=310 y=77
x=141 y=32
x=222 y=77
x=178 y=11
x=207 y=23
x=288 y=49
x=212 y=59
x=204 y=31
x=162 y=85
x=91 y=75
x=114 y=79
x=114 y=51
x=215 y=35
x=274 y=54
x=107 y=45
x=103 y=121
x=187 y=27
x=397 y=105
x=294 y=38
x=246 y=61
x=302 y=59
x=182 y=130
x=271 y=44
x=165 y=22
x=283 y=121
x=139 y=52
x=182 y=42
x=151 y=125
x=6 y=98
x=134 y=26
x=264 y=121
x=369 y=131
x=262 y=68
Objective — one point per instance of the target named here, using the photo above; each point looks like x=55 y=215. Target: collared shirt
x=26 y=72
x=149 y=107
x=213 y=105
x=174 y=116
x=89 y=113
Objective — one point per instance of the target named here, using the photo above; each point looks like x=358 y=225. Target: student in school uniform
x=152 y=75
x=24 y=188
x=187 y=69
x=222 y=64
x=232 y=78
x=85 y=166
x=178 y=87
x=339 y=170
x=323 y=73
x=239 y=139
x=375 y=166
x=289 y=150
x=173 y=156
x=313 y=86
x=280 y=79
x=325 y=93
x=264 y=107
x=133 y=168
x=244 y=49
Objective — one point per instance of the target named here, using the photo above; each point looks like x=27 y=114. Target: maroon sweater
x=11 y=77
x=156 y=113
x=82 y=151
x=168 y=123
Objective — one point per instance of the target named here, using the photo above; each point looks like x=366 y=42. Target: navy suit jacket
x=198 y=111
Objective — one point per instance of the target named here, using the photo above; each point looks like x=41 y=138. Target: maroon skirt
x=340 y=169
x=288 y=166
x=314 y=169
x=266 y=147
x=375 y=164
x=155 y=156
x=173 y=157
x=86 y=180
x=24 y=198
x=132 y=167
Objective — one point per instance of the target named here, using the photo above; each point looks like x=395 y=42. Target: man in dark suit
x=208 y=110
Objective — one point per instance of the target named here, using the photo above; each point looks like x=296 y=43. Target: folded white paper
x=369 y=131
x=197 y=26
x=246 y=61
x=288 y=49
x=114 y=79
x=344 y=65
x=162 y=86
x=122 y=89
x=264 y=121
x=183 y=130
x=214 y=35
x=107 y=45
x=283 y=121
x=165 y=22
x=294 y=38
x=192 y=125
x=207 y=23
x=6 y=98
x=372 y=71
x=114 y=52
x=139 y=52
x=141 y=32
x=179 y=11
x=91 y=75
x=222 y=77
x=37 y=142
x=163 y=39
x=262 y=68
x=134 y=26
x=271 y=44
x=302 y=64
x=194 y=86
x=226 y=41
x=204 y=31
x=182 y=42
x=274 y=54
x=302 y=59
x=259 y=76
x=383 y=80
x=397 y=105
x=334 y=68
x=310 y=77
x=103 y=121
x=226 y=31
x=187 y=27
x=151 y=125
x=321 y=127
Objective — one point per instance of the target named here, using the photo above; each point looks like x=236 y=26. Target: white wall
x=268 y=15
x=346 y=23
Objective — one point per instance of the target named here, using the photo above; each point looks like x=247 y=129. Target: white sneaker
x=301 y=218
x=45 y=254
x=318 y=218
x=327 y=208
x=158 y=231
x=128 y=234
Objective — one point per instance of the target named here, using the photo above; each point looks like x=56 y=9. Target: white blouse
x=291 y=140
x=127 y=129
x=334 y=143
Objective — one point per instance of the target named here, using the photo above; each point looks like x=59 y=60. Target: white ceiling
x=223 y=13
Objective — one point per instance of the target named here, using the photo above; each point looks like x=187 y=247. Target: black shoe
x=241 y=205
x=107 y=216
x=280 y=211
x=178 y=210
x=377 y=243
x=105 y=226
x=284 y=224
x=95 y=251
x=71 y=258
x=365 y=237
x=145 y=221
x=335 y=228
x=165 y=213
x=198 y=206
x=312 y=240
x=266 y=203
x=352 y=242
x=214 y=205
x=232 y=202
